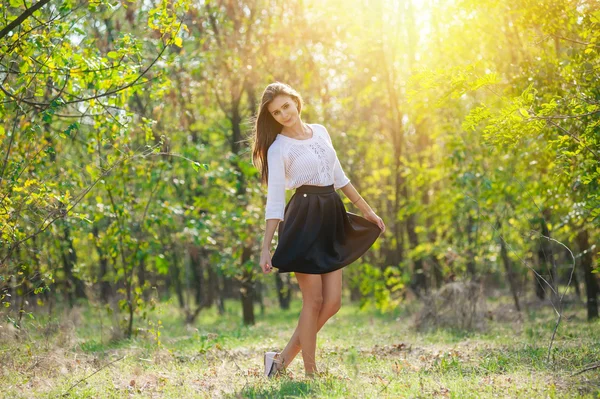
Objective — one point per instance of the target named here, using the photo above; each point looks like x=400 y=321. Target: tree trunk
x=258 y=296
x=547 y=261
x=355 y=294
x=591 y=284
x=214 y=290
x=508 y=268
x=540 y=285
x=470 y=245
x=104 y=284
x=69 y=257
x=572 y=263
x=176 y=280
x=142 y=278
x=284 y=290
x=247 y=289
x=197 y=269
x=419 y=282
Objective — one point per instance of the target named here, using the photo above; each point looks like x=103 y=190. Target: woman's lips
x=287 y=120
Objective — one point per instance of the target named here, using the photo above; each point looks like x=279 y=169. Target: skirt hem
x=280 y=271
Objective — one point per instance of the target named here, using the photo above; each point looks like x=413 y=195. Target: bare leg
x=312 y=300
x=332 y=295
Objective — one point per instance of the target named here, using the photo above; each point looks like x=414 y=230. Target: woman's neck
x=297 y=130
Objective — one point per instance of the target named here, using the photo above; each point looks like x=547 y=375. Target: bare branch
x=26 y=14
x=97 y=371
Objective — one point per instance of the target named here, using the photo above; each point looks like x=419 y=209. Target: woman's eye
x=285 y=106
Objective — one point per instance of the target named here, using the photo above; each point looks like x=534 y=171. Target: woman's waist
x=315 y=189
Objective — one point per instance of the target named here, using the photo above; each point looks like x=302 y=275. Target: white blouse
x=294 y=162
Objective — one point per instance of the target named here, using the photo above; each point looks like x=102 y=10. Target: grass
x=361 y=353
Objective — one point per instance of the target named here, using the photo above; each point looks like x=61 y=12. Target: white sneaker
x=270 y=359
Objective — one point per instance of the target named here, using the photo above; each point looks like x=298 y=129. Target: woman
x=316 y=236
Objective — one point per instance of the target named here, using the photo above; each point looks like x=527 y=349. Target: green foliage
x=68 y=68
x=380 y=287
x=126 y=161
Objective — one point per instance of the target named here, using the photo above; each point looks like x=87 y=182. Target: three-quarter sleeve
x=339 y=177
x=276 y=184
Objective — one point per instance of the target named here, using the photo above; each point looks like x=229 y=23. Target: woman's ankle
x=311 y=373
x=279 y=362
x=282 y=359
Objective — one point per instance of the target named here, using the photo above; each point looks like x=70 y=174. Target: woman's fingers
x=381 y=225
x=266 y=268
x=264 y=263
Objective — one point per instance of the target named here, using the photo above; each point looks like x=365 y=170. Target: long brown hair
x=266 y=127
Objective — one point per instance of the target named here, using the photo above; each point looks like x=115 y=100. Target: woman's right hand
x=265 y=261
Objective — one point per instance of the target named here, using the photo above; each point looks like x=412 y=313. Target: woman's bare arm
x=350 y=192
x=269 y=233
x=265 y=253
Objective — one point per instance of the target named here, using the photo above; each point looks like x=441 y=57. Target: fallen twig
x=592 y=366
x=85 y=378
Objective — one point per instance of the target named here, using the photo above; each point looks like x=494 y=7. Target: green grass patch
x=361 y=353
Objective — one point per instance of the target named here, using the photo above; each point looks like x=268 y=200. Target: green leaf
x=70 y=128
x=24 y=67
x=197 y=165
x=162 y=266
x=524 y=112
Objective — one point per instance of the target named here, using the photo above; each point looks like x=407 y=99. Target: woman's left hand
x=372 y=217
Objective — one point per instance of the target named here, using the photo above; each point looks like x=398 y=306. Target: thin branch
x=560 y=301
x=72 y=70
x=97 y=371
x=573 y=40
x=592 y=366
x=26 y=14
x=60 y=213
x=108 y=93
x=566 y=116
x=12 y=136
x=574 y=138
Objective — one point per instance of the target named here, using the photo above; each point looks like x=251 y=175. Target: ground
x=362 y=353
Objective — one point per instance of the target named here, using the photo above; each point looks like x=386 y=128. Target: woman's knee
x=331 y=306
x=314 y=303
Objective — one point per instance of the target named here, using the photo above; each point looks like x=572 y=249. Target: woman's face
x=284 y=110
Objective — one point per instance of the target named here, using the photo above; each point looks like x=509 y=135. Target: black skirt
x=318 y=235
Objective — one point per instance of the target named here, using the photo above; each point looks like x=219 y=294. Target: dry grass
x=458 y=304
x=361 y=354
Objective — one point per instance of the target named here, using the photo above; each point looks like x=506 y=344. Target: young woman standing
x=317 y=237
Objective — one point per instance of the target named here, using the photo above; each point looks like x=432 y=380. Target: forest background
x=471 y=127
